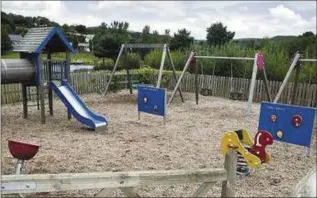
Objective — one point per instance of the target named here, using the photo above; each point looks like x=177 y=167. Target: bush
x=107 y=65
x=153 y=59
x=179 y=59
x=115 y=86
x=130 y=60
x=148 y=75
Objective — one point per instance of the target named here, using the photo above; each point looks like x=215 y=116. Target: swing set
x=165 y=51
x=258 y=64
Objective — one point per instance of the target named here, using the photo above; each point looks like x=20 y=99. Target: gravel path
x=190 y=139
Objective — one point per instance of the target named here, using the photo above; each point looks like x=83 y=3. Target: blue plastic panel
x=299 y=135
x=155 y=102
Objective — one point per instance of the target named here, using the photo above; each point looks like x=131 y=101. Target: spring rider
x=256 y=155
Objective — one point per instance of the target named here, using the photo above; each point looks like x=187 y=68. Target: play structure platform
x=77 y=107
x=31 y=70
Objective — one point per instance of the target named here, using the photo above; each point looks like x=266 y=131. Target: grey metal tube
x=16 y=71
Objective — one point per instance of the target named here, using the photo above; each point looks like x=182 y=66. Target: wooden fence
x=125 y=181
x=95 y=81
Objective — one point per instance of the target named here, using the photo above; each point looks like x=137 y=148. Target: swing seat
x=206 y=92
x=236 y=95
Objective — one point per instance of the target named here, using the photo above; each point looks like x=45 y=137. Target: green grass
x=10 y=55
x=84 y=57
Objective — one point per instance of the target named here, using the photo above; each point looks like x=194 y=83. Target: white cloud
x=284 y=13
x=247 y=19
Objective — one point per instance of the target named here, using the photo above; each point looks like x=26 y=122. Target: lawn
x=83 y=57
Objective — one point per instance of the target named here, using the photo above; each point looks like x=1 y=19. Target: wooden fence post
x=231 y=166
x=196 y=80
x=25 y=101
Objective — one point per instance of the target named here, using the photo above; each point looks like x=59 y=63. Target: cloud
x=246 y=18
x=284 y=13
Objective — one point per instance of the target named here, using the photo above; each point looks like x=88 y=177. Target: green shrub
x=153 y=59
x=148 y=75
x=179 y=59
x=107 y=65
x=145 y=75
x=115 y=86
x=130 y=60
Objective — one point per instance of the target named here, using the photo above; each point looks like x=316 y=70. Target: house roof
x=41 y=39
x=15 y=37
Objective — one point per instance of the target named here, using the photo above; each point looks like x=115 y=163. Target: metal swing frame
x=165 y=50
x=192 y=60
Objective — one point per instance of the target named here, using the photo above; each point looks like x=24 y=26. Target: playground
x=205 y=146
x=190 y=139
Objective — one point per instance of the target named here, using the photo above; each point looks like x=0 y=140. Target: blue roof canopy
x=38 y=40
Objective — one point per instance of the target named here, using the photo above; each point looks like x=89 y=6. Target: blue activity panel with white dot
x=288 y=123
x=151 y=100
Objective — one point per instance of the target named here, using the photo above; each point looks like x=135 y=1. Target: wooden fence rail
x=95 y=81
x=125 y=181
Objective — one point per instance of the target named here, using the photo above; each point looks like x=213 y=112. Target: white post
x=114 y=69
x=161 y=67
x=288 y=74
x=191 y=56
x=251 y=90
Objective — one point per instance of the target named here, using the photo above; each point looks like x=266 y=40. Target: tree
x=155 y=33
x=146 y=36
x=21 y=30
x=181 y=40
x=7 y=20
x=308 y=34
x=217 y=34
x=146 y=30
x=167 y=32
x=80 y=29
x=166 y=37
x=90 y=45
x=5 y=40
x=108 y=40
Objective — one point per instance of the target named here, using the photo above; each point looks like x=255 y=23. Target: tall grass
x=276 y=58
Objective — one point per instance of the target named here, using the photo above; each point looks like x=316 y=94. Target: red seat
x=22 y=150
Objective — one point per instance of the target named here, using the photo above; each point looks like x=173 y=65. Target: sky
x=248 y=19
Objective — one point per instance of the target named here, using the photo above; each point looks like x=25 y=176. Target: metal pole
x=20 y=167
x=266 y=85
x=224 y=57
x=191 y=56
x=161 y=67
x=308 y=60
x=251 y=90
x=297 y=71
x=67 y=72
x=114 y=69
x=288 y=74
x=174 y=72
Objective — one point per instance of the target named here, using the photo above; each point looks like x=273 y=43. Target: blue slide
x=77 y=107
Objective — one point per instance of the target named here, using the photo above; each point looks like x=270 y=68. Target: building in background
x=83 y=47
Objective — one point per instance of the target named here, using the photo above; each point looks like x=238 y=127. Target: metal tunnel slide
x=77 y=107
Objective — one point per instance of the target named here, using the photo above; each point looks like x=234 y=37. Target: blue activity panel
x=151 y=100
x=288 y=123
